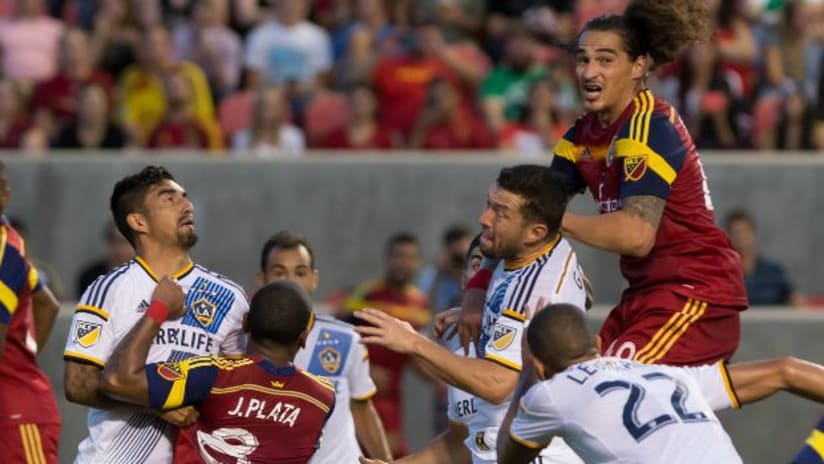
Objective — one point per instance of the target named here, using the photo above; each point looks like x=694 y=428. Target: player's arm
x=45 y=307
x=472 y=306
x=489 y=380
x=756 y=380
x=369 y=429
x=13 y=276
x=446 y=448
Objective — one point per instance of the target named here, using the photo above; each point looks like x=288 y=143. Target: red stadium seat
x=326 y=113
x=235 y=112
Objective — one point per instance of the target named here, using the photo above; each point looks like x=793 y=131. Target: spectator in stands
x=271 y=134
x=290 y=50
x=358 y=46
x=115 y=37
x=458 y=19
x=118 y=251
x=446 y=124
x=143 y=99
x=29 y=43
x=363 y=131
x=56 y=100
x=442 y=282
x=767 y=282
x=540 y=126
x=553 y=18
x=209 y=43
x=182 y=126
x=92 y=127
x=402 y=82
x=506 y=88
x=397 y=295
x=17 y=131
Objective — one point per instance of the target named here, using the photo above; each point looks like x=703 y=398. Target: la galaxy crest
x=329 y=359
x=635 y=167
x=502 y=337
x=87 y=333
x=204 y=311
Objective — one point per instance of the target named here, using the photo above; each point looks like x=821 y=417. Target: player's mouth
x=188 y=222
x=486 y=239
x=591 y=91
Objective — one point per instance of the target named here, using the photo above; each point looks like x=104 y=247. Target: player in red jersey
x=29 y=418
x=257 y=408
x=633 y=152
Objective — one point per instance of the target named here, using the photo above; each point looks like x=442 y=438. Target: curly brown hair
x=658 y=28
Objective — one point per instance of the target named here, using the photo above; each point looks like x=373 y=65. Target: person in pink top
x=29 y=42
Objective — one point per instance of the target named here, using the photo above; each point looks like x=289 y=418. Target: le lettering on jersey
x=551 y=275
x=109 y=308
x=333 y=351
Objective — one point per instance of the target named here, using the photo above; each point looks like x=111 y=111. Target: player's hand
x=170 y=293
x=385 y=330
x=181 y=417
x=364 y=460
x=472 y=312
x=444 y=320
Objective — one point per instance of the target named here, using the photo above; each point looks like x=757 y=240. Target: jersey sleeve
x=236 y=339
x=651 y=154
x=537 y=420
x=565 y=163
x=504 y=345
x=361 y=385
x=14 y=272
x=716 y=387
x=92 y=334
x=562 y=284
x=183 y=383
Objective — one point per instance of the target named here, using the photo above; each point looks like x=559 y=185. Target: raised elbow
x=496 y=396
x=640 y=246
x=789 y=367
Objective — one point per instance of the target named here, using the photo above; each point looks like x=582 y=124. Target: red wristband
x=158 y=312
x=480 y=280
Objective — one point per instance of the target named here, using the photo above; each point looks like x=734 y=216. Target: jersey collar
x=526 y=261
x=177 y=276
x=274 y=370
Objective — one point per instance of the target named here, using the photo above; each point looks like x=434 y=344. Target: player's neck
x=531 y=252
x=609 y=116
x=164 y=261
x=278 y=356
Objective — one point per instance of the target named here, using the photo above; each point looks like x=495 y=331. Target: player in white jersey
x=612 y=410
x=333 y=350
x=152 y=211
x=520 y=226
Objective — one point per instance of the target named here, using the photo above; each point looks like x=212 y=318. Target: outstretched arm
x=754 y=381
x=45 y=307
x=446 y=448
x=369 y=429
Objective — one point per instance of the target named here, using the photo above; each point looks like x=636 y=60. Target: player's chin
x=187 y=239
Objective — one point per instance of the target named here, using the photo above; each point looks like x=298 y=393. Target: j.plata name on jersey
x=194 y=339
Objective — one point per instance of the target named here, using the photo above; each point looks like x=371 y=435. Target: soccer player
x=257 y=408
x=29 y=418
x=520 y=227
x=333 y=350
x=153 y=212
x=611 y=409
x=632 y=151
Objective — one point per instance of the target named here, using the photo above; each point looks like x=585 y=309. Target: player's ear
x=640 y=67
x=137 y=222
x=537 y=232
x=540 y=370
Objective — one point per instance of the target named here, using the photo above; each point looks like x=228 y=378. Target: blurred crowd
x=268 y=78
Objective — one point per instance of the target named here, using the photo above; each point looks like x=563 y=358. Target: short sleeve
x=504 y=345
x=236 y=338
x=565 y=163
x=716 y=387
x=92 y=335
x=537 y=420
x=361 y=385
x=176 y=384
x=651 y=156
x=14 y=274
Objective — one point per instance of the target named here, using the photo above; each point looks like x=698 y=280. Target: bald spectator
x=29 y=43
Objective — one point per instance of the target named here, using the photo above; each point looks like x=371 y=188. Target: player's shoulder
x=321 y=385
x=202 y=272
x=652 y=120
x=326 y=321
x=97 y=299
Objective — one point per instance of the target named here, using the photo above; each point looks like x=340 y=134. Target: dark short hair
x=401 y=238
x=285 y=240
x=739 y=215
x=129 y=196
x=279 y=313
x=545 y=198
x=454 y=234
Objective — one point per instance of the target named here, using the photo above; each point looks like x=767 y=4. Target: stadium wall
x=764 y=433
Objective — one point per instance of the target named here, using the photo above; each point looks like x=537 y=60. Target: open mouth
x=592 y=91
x=190 y=222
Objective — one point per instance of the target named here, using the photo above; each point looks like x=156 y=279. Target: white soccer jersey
x=334 y=351
x=552 y=275
x=461 y=406
x=619 y=411
x=109 y=308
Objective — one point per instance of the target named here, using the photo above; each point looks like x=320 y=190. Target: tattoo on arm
x=648 y=208
x=82 y=385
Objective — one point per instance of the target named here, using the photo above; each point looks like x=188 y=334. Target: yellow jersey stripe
x=639 y=117
x=680 y=332
x=567 y=150
x=33 y=277
x=564 y=273
x=3 y=238
x=365 y=397
x=38 y=444
x=656 y=162
x=681 y=319
x=84 y=357
x=176 y=394
x=725 y=375
x=816 y=442
x=661 y=331
x=154 y=276
x=102 y=313
x=503 y=362
x=514 y=314
x=273 y=392
x=8 y=297
x=526 y=443
x=647 y=122
x=25 y=441
x=634 y=119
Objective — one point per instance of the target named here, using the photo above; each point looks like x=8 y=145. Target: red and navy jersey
x=250 y=410
x=647 y=151
x=25 y=392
